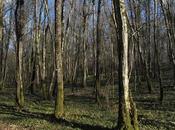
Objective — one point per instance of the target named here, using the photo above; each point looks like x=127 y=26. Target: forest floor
x=82 y=113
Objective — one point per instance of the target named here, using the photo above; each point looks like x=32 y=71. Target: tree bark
x=19 y=22
x=98 y=43
x=84 y=45
x=157 y=57
x=43 y=74
x=1 y=39
x=59 y=105
x=127 y=118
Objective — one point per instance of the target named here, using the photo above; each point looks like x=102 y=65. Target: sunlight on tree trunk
x=127 y=118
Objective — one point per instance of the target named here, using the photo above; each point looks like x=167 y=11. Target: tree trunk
x=127 y=118
x=94 y=40
x=148 y=17
x=43 y=74
x=1 y=42
x=59 y=106
x=37 y=46
x=19 y=22
x=157 y=58
x=84 y=45
x=98 y=43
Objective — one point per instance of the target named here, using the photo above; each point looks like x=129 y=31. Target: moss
x=128 y=119
x=59 y=103
x=133 y=114
x=124 y=120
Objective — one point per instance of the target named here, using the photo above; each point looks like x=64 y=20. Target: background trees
x=45 y=45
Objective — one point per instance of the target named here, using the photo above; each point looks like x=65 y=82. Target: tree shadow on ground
x=155 y=105
x=168 y=125
x=79 y=98
x=20 y=115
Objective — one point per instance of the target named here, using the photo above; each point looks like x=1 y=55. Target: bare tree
x=19 y=22
x=127 y=118
x=97 y=81
x=1 y=40
x=59 y=105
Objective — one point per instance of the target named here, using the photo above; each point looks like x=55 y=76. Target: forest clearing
x=87 y=65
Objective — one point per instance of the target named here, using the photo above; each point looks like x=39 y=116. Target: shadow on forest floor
x=20 y=115
x=168 y=125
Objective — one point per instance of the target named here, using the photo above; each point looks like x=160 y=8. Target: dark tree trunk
x=19 y=22
x=98 y=43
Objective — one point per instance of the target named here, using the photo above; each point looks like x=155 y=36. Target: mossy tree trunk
x=127 y=118
x=59 y=103
x=19 y=22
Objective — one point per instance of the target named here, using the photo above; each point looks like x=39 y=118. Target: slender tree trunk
x=98 y=43
x=59 y=103
x=1 y=41
x=112 y=70
x=145 y=65
x=75 y=66
x=51 y=86
x=19 y=22
x=159 y=74
x=94 y=40
x=157 y=58
x=84 y=45
x=37 y=16
x=155 y=30
x=44 y=65
x=127 y=118
x=32 y=70
x=43 y=73
x=149 y=36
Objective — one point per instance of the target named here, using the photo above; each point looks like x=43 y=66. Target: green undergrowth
x=81 y=113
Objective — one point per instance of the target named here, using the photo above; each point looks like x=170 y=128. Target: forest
x=87 y=65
